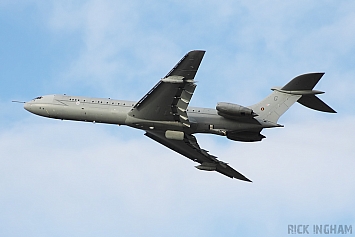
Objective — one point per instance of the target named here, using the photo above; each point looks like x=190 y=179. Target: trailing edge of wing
x=189 y=147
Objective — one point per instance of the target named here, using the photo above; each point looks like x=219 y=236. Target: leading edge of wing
x=189 y=148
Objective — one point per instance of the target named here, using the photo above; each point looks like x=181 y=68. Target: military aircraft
x=163 y=113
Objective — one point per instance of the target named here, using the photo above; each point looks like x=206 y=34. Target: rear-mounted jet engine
x=229 y=110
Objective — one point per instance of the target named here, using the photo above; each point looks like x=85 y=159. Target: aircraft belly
x=107 y=115
x=207 y=122
x=153 y=124
x=69 y=113
x=96 y=114
x=118 y=115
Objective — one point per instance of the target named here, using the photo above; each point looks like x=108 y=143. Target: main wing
x=168 y=101
x=190 y=148
x=169 y=98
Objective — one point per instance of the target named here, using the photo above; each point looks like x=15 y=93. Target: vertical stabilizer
x=273 y=106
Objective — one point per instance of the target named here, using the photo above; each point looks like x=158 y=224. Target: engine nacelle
x=233 y=110
x=245 y=136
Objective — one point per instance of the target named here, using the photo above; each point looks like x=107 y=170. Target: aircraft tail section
x=313 y=102
x=299 y=89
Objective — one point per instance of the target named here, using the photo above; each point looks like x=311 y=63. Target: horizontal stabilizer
x=303 y=82
x=303 y=85
x=313 y=102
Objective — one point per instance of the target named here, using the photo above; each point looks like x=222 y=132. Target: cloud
x=106 y=29
x=79 y=176
x=68 y=178
x=113 y=44
x=120 y=44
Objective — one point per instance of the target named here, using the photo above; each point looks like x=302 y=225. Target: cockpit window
x=38 y=98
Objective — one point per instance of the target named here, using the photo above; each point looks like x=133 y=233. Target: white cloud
x=81 y=175
x=274 y=42
x=68 y=178
x=113 y=43
x=128 y=43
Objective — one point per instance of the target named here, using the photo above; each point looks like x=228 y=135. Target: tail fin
x=299 y=89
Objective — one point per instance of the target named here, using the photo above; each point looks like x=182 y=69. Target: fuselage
x=111 y=111
x=164 y=112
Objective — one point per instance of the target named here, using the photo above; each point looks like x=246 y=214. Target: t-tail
x=299 y=89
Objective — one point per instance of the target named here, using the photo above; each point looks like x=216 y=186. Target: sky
x=65 y=178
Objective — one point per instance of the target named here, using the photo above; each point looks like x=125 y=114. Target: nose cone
x=28 y=106
x=40 y=105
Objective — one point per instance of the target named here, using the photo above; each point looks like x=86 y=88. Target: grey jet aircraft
x=163 y=113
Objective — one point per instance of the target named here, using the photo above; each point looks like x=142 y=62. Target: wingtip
x=243 y=179
x=332 y=111
x=247 y=180
x=198 y=50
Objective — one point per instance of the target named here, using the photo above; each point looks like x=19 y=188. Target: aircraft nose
x=27 y=106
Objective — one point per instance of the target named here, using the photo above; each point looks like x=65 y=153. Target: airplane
x=166 y=117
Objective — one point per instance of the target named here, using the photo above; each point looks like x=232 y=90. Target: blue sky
x=62 y=178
